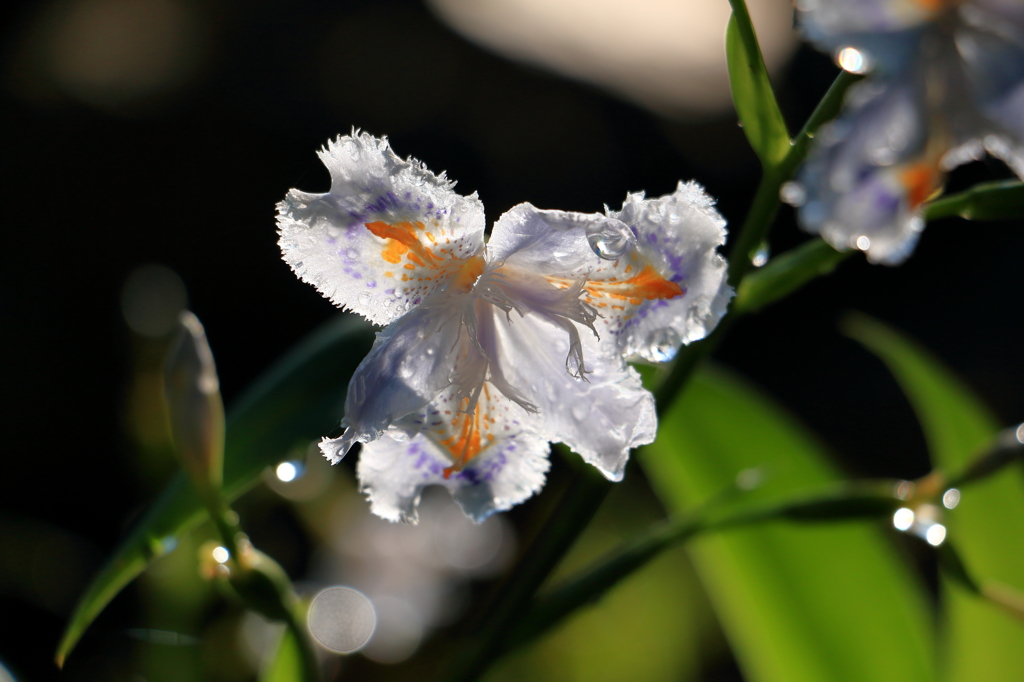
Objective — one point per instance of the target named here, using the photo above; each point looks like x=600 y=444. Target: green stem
x=871 y=500
x=565 y=524
x=766 y=201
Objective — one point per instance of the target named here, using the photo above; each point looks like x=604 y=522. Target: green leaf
x=752 y=90
x=982 y=643
x=1003 y=200
x=287 y=665
x=299 y=398
x=785 y=274
x=821 y=602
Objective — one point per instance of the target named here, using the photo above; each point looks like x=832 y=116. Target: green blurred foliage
x=981 y=642
x=657 y=625
x=797 y=603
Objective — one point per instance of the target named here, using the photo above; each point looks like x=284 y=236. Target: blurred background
x=145 y=143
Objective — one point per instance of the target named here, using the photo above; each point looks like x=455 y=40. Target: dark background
x=189 y=180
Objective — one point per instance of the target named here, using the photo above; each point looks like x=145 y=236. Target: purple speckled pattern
x=326 y=239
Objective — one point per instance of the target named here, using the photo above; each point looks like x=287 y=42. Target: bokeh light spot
x=903 y=519
x=342 y=619
x=221 y=555
x=935 y=534
x=951 y=498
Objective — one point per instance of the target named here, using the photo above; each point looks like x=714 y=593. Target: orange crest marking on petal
x=646 y=285
x=468 y=274
x=403 y=240
x=920 y=180
x=469 y=433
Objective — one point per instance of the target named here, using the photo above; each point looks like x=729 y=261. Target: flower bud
x=195 y=408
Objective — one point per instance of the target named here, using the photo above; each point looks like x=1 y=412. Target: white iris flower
x=493 y=351
x=947 y=86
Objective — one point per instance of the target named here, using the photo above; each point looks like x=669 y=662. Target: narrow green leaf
x=785 y=274
x=820 y=602
x=983 y=643
x=287 y=664
x=1003 y=200
x=752 y=90
x=299 y=397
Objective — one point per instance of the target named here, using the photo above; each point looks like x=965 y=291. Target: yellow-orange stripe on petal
x=646 y=285
x=402 y=240
x=920 y=180
x=468 y=433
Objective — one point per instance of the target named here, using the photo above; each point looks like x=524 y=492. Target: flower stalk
x=196 y=413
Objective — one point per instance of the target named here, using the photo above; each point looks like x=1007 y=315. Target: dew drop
x=903 y=519
x=951 y=498
x=853 y=60
x=662 y=345
x=364 y=298
x=611 y=239
x=863 y=243
x=760 y=256
x=793 y=193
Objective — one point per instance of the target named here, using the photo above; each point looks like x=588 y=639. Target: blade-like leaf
x=1002 y=200
x=300 y=397
x=983 y=643
x=752 y=90
x=816 y=603
x=287 y=665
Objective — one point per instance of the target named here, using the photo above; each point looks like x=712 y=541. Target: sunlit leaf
x=983 y=642
x=286 y=666
x=829 y=601
x=752 y=90
x=299 y=398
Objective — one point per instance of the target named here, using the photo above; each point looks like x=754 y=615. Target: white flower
x=490 y=353
x=947 y=86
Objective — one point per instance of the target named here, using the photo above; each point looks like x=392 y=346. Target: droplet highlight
x=793 y=193
x=610 y=239
x=760 y=257
x=662 y=345
x=903 y=519
x=853 y=60
x=951 y=498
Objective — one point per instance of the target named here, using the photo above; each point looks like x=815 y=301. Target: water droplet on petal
x=662 y=345
x=364 y=298
x=853 y=60
x=580 y=410
x=610 y=239
x=863 y=243
x=793 y=193
x=760 y=256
